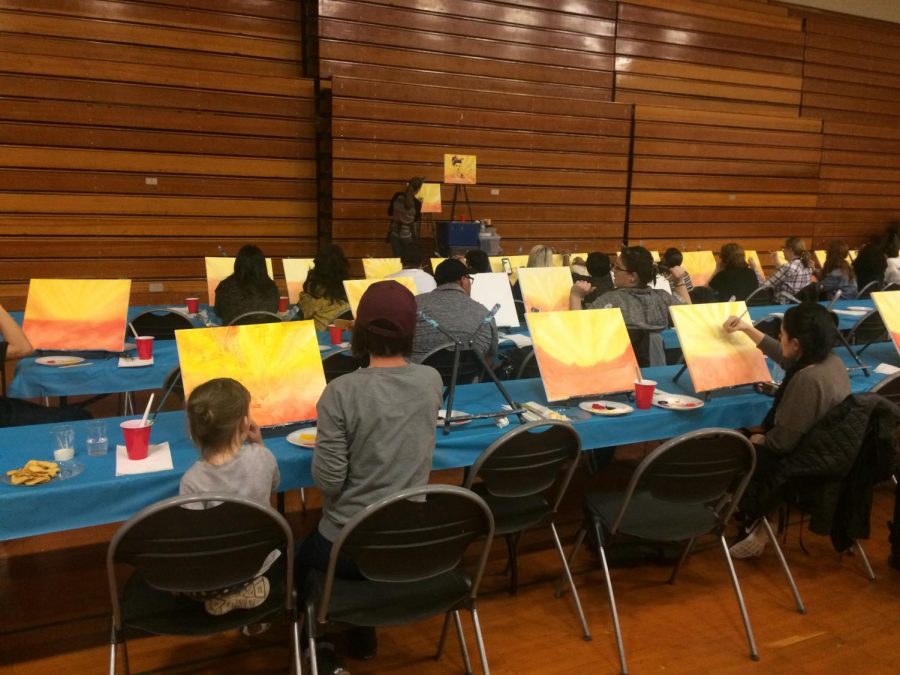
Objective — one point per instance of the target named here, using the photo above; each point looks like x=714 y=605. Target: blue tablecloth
x=97 y=496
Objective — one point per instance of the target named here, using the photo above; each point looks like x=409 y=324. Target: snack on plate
x=34 y=472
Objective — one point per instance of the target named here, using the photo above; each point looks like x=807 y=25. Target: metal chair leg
x=295 y=640
x=480 y=640
x=612 y=602
x=462 y=641
x=311 y=636
x=579 y=539
x=113 y=644
x=865 y=561
x=784 y=565
x=586 y=632
x=443 y=638
x=512 y=541
x=740 y=598
x=303 y=500
x=684 y=554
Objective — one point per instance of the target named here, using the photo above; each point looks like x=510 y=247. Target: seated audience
x=673 y=258
x=375 y=430
x=796 y=274
x=413 y=261
x=733 y=277
x=323 y=296
x=815 y=381
x=837 y=274
x=450 y=305
x=478 y=261
x=16 y=413
x=249 y=289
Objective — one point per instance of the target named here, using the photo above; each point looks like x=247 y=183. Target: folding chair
x=523 y=477
x=408 y=548
x=528 y=368
x=161 y=324
x=441 y=359
x=870 y=328
x=867 y=290
x=174 y=551
x=341 y=363
x=764 y=295
x=687 y=487
x=251 y=318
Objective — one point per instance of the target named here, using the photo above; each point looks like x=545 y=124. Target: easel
x=453 y=205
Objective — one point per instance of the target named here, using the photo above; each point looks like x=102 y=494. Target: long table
x=97 y=496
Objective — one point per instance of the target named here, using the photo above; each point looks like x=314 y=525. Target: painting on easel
x=459 y=169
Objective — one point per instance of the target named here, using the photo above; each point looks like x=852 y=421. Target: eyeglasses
x=469 y=277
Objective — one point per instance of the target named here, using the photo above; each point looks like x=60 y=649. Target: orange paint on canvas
x=618 y=375
x=701 y=265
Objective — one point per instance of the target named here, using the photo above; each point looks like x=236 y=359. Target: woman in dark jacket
x=249 y=289
x=734 y=278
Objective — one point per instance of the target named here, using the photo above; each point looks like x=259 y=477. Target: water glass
x=97 y=440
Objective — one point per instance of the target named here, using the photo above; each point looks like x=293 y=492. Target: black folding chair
x=251 y=318
x=528 y=368
x=441 y=359
x=174 y=551
x=764 y=295
x=523 y=476
x=160 y=324
x=870 y=328
x=341 y=363
x=867 y=290
x=408 y=547
x=686 y=488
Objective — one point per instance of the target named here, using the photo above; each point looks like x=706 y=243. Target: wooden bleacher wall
x=667 y=122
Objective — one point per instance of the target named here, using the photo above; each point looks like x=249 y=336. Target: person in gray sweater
x=376 y=429
x=815 y=381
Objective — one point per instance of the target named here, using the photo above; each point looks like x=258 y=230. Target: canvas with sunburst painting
x=545 y=289
x=75 y=314
x=888 y=304
x=356 y=287
x=295 y=273
x=220 y=268
x=379 y=268
x=701 y=265
x=430 y=194
x=583 y=353
x=279 y=363
x=753 y=255
x=515 y=262
x=716 y=359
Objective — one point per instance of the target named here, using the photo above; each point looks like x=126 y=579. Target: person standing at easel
x=405 y=211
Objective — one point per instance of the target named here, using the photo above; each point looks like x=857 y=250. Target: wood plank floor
x=54 y=613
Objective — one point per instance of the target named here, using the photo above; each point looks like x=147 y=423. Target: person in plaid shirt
x=788 y=279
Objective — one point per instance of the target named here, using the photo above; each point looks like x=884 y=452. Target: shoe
x=751 y=543
x=252 y=595
x=362 y=643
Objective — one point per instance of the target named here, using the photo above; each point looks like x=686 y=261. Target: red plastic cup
x=193 y=305
x=144 y=347
x=137 y=438
x=336 y=333
x=283 y=303
x=643 y=393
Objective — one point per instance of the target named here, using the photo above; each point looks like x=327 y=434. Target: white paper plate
x=862 y=309
x=607 y=408
x=456 y=413
x=58 y=360
x=324 y=348
x=662 y=399
x=67 y=470
x=305 y=438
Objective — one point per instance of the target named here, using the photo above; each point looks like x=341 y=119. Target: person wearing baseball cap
x=455 y=312
x=405 y=211
x=375 y=428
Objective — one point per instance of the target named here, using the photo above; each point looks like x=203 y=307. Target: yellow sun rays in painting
x=701 y=265
x=545 y=289
x=356 y=287
x=888 y=305
x=379 y=268
x=295 y=273
x=279 y=363
x=77 y=313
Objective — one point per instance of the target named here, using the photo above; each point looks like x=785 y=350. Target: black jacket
x=832 y=470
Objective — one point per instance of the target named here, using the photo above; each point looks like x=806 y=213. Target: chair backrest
x=251 y=318
x=867 y=290
x=341 y=363
x=810 y=293
x=769 y=325
x=161 y=324
x=346 y=315
x=764 y=295
x=870 y=328
x=708 y=467
x=529 y=460
x=889 y=387
x=528 y=367
x=413 y=535
x=441 y=359
x=177 y=548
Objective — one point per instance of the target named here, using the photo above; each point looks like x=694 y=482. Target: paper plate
x=608 y=408
x=58 y=360
x=324 y=348
x=305 y=438
x=456 y=413
x=67 y=470
x=662 y=399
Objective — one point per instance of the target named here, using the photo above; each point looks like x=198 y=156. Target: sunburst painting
x=545 y=289
x=218 y=269
x=379 y=268
x=279 y=363
x=753 y=255
x=515 y=262
x=888 y=304
x=583 y=353
x=701 y=265
x=559 y=258
x=430 y=194
x=77 y=313
x=716 y=359
x=356 y=287
x=295 y=273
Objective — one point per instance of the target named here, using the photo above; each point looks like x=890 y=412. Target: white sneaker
x=751 y=546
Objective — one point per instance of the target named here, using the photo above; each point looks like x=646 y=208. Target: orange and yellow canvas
x=888 y=304
x=582 y=353
x=295 y=273
x=356 y=287
x=753 y=255
x=218 y=269
x=77 y=313
x=701 y=265
x=545 y=289
x=459 y=169
x=559 y=258
x=515 y=262
x=279 y=363
x=430 y=194
x=716 y=359
x=435 y=262
x=379 y=268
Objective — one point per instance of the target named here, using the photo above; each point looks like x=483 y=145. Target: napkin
x=850 y=312
x=134 y=362
x=183 y=309
x=886 y=369
x=519 y=339
x=159 y=458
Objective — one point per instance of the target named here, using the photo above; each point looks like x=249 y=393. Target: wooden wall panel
x=136 y=138
x=545 y=175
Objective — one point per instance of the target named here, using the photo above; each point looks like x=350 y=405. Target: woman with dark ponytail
x=797 y=273
x=815 y=381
